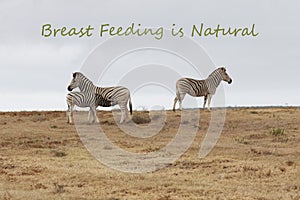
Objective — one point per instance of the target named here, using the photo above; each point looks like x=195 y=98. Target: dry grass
x=141 y=117
x=256 y=157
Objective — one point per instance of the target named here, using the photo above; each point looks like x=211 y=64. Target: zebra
x=81 y=99
x=198 y=88
x=118 y=95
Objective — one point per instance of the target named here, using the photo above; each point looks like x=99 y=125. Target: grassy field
x=257 y=157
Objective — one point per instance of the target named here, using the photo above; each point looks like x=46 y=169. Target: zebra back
x=191 y=86
x=113 y=94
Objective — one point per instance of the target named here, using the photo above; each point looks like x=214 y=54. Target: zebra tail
x=130 y=106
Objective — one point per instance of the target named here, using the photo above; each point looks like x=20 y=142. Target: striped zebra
x=118 y=95
x=198 y=88
x=81 y=99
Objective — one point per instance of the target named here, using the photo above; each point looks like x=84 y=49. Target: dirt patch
x=257 y=157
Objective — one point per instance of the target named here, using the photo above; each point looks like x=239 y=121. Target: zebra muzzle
x=69 y=88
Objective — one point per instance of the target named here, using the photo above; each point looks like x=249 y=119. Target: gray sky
x=35 y=71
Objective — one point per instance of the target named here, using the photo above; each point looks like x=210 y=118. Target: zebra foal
x=118 y=95
x=81 y=99
x=198 y=88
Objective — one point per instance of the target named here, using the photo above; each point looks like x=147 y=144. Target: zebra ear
x=74 y=74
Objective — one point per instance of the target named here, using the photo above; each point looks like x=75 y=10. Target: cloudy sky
x=35 y=70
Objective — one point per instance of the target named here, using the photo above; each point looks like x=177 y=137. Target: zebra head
x=75 y=82
x=82 y=82
x=224 y=75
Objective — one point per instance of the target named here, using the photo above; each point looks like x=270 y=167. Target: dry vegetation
x=256 y=157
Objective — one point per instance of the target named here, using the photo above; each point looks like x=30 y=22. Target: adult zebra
x=81 y=99
x=118 y=95
x=198 y=88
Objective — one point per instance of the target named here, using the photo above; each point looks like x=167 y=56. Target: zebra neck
x=87 y=86
x=213 y=82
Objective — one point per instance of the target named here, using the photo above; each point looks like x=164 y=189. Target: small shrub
x=53 y=126
x=241 y=140
x=107 y=148
x=7 y=196
x=261 y=152
x=108 y=122
x=233 y=126
x=281 y=139
x=141 y=117
x=58 y=188
x=58 y=153
x=38 y=117
x=277 y=132
x=290 y=163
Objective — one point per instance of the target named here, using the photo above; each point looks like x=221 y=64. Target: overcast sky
x=35 y=70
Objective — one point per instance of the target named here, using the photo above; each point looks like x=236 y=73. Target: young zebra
x=118 y=95
x=81 y=99
x=198 y=88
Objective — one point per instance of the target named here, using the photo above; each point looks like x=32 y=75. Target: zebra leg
x=205 y=99
x=175 y=101
x=209 y=99
x=92 y=118
x=180 y=98
x=180 y=105
x=89 y=115
x=69 y=113
x=122 y=116
x=123 y=111
x=95 y=118
x=127 y=117
x=95 y=115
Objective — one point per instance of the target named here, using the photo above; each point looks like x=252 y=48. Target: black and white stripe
x=109 y=96
x=81 y=99
x=198 y=88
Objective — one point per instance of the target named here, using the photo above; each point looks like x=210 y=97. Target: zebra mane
x=78 y=74
x=82 y=77
x=216 y=71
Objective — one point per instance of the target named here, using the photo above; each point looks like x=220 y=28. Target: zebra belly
x=105 y=104
x=198 y=94
x=83 y=104
x=100 y=101
x=80 y=100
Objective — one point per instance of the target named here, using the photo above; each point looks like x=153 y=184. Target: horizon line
x=198 y=108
